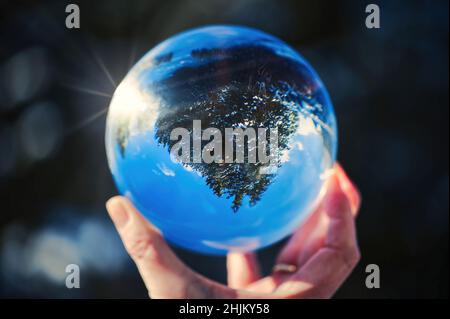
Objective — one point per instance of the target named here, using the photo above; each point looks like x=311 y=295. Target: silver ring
x=285 y=268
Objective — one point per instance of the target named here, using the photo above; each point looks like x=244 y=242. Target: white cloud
x=165 y=170
x=307 y=126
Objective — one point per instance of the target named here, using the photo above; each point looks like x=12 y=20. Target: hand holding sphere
x=313 y=264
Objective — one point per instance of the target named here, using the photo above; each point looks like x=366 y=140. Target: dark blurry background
x=390 y=92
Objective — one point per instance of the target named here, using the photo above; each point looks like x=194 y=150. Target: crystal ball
x=223 y=137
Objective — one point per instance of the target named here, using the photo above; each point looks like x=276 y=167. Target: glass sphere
x=222 y=79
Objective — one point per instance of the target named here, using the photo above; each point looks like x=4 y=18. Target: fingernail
x=333 y=183
x=345 y=181
x=349 y=187
x=117 y=211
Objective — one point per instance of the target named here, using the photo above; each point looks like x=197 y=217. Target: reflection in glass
x=225 y=77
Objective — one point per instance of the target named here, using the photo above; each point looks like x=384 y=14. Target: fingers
x=311 y=235
x=305 y=241
x=243 y=269
x=327 y=269
x=163 y=273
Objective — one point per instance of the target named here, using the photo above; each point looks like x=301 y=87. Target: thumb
x=163 y=273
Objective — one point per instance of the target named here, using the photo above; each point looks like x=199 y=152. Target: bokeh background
x=390 y=91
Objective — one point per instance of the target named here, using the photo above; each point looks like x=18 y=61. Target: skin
x=323 y=251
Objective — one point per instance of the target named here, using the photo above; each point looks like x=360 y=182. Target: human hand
x=314 y=263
